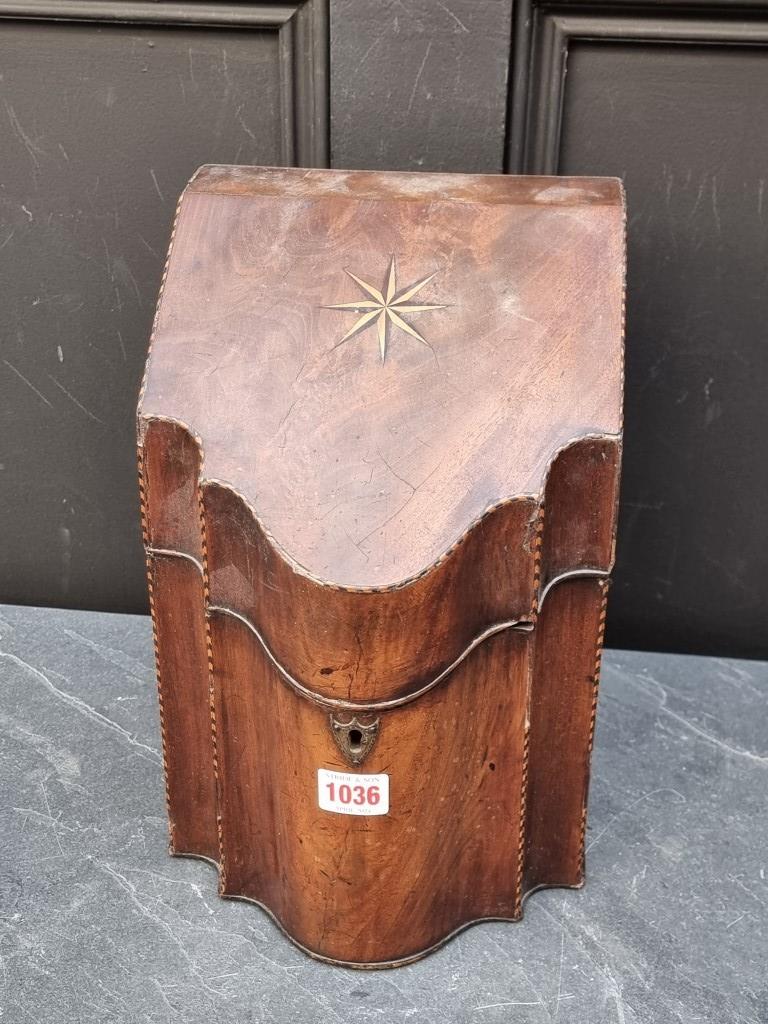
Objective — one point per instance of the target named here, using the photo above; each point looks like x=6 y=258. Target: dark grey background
x=108 y=106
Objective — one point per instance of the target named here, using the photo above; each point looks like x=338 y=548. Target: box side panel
x=182 y=670
x=169 y=463
x=567 y=643
x=171 y=460
x=580 y=508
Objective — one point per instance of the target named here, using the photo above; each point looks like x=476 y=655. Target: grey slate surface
x=99 y=924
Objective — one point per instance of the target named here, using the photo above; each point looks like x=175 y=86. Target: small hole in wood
x=492 y=766
x=325 y=671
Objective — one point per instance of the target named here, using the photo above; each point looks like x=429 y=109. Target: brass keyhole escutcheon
x=355 y=739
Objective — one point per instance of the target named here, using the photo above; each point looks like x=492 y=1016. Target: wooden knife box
x=379 y=444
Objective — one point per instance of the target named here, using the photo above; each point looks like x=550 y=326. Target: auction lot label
x=350 y=793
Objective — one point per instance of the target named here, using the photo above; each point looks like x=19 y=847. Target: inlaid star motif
x=384 y=307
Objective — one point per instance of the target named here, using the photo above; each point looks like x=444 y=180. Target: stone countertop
x=100 y=924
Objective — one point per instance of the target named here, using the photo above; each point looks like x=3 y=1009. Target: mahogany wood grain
x=351 y=645
x=183 y=686
x=170 y=462
x=423 y=540
x=562 y=707
x=359 y=646
x=385 y=888
x=364 y=473
x=580 y=509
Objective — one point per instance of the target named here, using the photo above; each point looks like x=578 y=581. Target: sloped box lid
x=373 y=363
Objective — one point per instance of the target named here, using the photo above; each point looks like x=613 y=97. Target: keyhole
x=355 y=740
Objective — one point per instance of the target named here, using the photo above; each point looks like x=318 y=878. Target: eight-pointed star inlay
x=384 y=307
